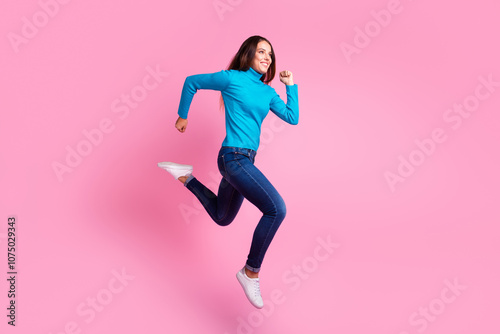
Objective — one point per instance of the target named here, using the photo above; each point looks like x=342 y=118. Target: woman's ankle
x=251 y=274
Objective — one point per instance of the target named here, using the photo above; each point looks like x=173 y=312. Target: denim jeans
x=241 y=179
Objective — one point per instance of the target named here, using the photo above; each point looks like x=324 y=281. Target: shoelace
x=256 y=287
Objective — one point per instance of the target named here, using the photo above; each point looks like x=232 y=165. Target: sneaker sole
x=173 y=165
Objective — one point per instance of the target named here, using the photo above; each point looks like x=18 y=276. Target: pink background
x=116 y=210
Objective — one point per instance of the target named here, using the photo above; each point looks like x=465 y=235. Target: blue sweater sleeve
x=288 y=112
x=214 y=81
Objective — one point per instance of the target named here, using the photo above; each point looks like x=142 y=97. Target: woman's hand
x=286 y=77
x=181 y=124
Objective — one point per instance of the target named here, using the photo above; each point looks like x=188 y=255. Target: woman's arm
x=288 y=112
x=215 y=81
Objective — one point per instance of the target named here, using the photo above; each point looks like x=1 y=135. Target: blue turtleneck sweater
x=247 y=101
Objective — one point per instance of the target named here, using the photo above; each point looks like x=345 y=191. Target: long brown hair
x=243 y=59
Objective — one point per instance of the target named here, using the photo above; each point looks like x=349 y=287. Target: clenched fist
x=181 y=124
x=286 y=77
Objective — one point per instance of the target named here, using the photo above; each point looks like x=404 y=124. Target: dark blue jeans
x=241 y=179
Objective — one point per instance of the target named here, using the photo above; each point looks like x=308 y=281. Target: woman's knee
x=281 y=209
x=227 y=218
x=224 y=222
x=277 y=209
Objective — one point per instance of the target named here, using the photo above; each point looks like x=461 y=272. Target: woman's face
x=262 y=59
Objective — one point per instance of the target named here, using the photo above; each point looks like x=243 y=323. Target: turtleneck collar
x=254 y=74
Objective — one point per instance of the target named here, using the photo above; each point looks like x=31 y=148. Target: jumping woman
x=247 y=98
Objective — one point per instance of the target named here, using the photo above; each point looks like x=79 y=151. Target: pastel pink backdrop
x=117 y=211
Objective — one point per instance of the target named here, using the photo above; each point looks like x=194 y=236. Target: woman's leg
x=249 y=181
x=221 y=208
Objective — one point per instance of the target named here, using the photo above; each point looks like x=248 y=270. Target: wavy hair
x=243 y=59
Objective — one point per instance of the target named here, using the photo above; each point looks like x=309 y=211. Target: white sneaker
x=251 y=287
x=177 y=170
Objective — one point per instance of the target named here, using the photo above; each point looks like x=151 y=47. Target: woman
x=247 y=98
